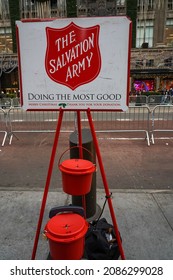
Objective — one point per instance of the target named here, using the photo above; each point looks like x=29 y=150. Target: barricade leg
x=4 y=138
x=3 y=128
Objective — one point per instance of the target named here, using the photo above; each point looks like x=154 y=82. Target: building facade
x=152 y=49
x=151 y=60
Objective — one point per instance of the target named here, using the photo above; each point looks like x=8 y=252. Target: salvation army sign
x=74 y=64
x=73 y=55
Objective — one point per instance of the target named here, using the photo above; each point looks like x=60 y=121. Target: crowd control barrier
x=3 y=125
x=137 y=120
x=134 y=120
x=134 y=100
x=138 y=100
x=162 y=121
x=5 y=103
x=21 y=121
x=151 y=100
x=15 y=102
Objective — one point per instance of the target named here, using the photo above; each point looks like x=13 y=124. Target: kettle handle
x=74 y=147
x=69 y=208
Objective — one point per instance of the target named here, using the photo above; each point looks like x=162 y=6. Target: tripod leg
x=81 y=153
x=79 y=134
x=46 y=189
x=108 y=194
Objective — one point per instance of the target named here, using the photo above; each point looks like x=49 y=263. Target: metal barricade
x=138 y=100
x=3 y=125
x=5 y=103
x=159 y=100
x=21 y=121
x=162 y=120
x=135 y=120
x=15 y=102
x=134 y=100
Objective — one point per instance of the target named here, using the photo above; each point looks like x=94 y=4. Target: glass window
x=120 y=2
x=140 y=5
x=150 y=5
x=54 y=3
x=169 y=22
x=144 y=33
x=5 y=41
x=170 y=4
x=145 y=5
x=169 y=32
x=4 y=9
x=5 y=29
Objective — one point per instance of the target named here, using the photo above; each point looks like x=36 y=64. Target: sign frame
x=23 y=73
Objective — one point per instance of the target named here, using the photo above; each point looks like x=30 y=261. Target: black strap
x=106 y=198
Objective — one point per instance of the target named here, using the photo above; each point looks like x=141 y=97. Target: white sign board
x=74 y=64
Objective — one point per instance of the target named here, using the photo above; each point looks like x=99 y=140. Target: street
x=129 y=164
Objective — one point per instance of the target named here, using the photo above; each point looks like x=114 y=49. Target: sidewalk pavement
x=144 y=218
x=140 y=178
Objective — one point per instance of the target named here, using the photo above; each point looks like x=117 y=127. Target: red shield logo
x=73 y=55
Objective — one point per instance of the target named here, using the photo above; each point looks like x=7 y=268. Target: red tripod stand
x=49 y=174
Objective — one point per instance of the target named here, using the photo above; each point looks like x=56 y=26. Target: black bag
x=100 y=241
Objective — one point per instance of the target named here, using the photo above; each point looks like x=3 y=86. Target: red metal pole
x=79 y=134
x=81 y=152
x=108 y=194
x=46 y=189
